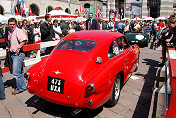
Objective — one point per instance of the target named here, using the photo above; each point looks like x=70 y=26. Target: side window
x=114 y=49
x=123 y=45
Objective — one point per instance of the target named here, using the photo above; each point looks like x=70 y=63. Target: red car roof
x=95 y=35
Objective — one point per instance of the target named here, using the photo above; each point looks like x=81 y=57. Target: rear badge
x=56 y=72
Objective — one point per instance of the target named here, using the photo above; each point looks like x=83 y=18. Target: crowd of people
x=19 y=34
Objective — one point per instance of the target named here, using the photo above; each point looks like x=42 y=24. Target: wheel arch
x=121 y=73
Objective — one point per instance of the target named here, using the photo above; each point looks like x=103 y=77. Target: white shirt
x=37 y=37
x=111 y=25
x=101 y=26
x=57 y=29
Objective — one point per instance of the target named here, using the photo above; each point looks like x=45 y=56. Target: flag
x=18 y=2
x=81 y=9
x=22 y=2
x=99 y=13
x=96 y=13
x=11 y=10
x=22 y=9
x=30 y=11
x=86 y=11
x=16 y=9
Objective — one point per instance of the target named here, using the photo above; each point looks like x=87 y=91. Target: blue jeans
x=18 y=71
x=2 y=94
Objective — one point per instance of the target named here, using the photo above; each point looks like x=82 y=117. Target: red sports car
x=86 y=69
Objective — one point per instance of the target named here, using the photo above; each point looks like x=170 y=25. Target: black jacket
x=47 y=33
x=94 y=25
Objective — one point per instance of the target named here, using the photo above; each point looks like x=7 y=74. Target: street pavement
x=138 y=97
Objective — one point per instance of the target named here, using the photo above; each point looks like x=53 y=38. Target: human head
x=100 y=19
x=12 y=22
x=171 y=22
x=48 y=17
x=55 y=22
x=80 y=22
x=36 y=24
x=41 y=22
x=24 y=23
x=90 y=15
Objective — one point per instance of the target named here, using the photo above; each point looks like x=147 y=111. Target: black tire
x=115 y=92
x=137 y=65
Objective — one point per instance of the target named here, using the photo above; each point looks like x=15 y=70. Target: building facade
x=41 y=7
x=122 y=8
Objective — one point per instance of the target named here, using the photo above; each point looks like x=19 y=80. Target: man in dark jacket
x=91 y=24
x=47 y=32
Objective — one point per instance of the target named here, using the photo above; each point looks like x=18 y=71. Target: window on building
x=49 y=8
x=67 y=10
x=154 y=6
x=1 y=10
x=35 y=9
x=87 y=5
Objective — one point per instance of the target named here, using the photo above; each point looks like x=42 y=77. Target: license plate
x=55 y=85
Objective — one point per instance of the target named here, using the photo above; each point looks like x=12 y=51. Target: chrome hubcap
x=117 y=89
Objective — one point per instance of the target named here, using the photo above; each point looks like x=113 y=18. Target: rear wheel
x=115 y=92
x=137 y=64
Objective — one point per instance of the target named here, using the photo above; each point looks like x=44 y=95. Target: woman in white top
x=37 y=32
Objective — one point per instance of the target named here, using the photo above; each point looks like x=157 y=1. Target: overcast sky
x=174 y=1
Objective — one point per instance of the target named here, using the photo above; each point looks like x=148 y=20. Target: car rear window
x=77 y=44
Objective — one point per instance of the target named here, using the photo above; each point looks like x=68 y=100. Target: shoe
x=2 y=98
x=14 y=93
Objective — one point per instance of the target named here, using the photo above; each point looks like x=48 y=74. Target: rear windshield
x=77 y=44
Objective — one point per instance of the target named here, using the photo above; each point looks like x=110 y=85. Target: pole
x=13 y=7
x=27 y=14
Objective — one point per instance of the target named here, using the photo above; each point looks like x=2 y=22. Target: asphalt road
x=137 y=100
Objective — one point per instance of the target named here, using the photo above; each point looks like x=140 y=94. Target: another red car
x=86 y=69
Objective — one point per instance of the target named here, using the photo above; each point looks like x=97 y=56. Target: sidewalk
x=139 y=97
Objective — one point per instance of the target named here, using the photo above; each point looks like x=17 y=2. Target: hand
x=53 y=39
x=49 y=24
x=18 y=51
x=168 y=40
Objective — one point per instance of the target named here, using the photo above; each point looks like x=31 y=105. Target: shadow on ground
x=10 y=83
x=144 y=103
x=58 y=110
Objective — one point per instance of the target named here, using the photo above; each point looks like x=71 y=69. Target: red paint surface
x=78 y=69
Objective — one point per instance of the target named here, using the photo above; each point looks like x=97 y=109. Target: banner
x=133 y=8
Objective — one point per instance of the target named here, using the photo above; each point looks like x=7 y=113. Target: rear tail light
x=90 y=102
x=26 y=75
x=28 y=88
x=90 y=87
x=89 y=90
